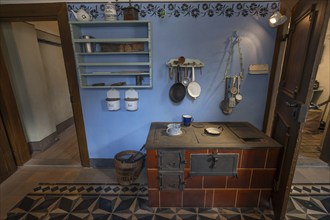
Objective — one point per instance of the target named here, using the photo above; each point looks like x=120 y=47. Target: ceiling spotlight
x=277 y=19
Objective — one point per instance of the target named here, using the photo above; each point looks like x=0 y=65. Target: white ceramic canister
x=113 y=104
x=113 y=100
x=110 y=13
x=131 y=100
x=131 y=104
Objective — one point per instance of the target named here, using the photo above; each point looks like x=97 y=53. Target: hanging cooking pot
x=178 y=90
x=194 y=89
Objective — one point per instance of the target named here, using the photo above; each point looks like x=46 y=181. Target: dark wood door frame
x=285 y=127
x=7 y=160
x=44 y=12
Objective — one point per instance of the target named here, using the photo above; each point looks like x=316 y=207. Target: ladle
x=238 y=96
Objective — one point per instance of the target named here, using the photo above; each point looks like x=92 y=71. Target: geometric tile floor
x=309 y=202
x=115 y=202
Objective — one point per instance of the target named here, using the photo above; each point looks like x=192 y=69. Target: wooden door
x=7 y=162
x=298 y=74
x=10 y=117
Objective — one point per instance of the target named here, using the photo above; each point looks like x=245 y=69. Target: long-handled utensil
x=224 y=105
x=238 y=96
x=131 y=159
x=186 y=79
x=194 y=89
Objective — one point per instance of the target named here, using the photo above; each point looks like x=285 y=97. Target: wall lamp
x=277 y=19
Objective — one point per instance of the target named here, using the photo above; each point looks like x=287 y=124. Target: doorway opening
x=36 y=66
x=310 y=168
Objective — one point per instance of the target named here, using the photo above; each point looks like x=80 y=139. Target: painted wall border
x=119 y=1
x=185 y=9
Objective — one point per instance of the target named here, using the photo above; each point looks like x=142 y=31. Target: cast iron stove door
x=171 y=165
x=171 y=180
x=171 y=159
x=214 y=164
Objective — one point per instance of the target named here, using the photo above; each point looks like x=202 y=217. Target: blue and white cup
x=173 y=129
x=187 y=119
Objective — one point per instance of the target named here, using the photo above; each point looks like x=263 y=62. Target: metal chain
x=231 y=51
x=241 y=74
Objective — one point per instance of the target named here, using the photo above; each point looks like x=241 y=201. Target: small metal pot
x=88 y=47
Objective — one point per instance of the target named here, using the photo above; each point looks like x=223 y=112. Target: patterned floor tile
x=115 y=202
x=309 y=201
x=304 y=189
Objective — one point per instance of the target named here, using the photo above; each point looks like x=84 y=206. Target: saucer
x=177 y=134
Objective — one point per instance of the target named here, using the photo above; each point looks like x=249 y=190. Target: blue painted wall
x=193 y=30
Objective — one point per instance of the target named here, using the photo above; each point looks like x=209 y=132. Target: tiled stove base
x=251 y=188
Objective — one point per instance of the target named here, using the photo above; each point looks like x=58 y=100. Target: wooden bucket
x=128 y=171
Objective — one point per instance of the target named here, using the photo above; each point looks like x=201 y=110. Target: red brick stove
x=234 y=169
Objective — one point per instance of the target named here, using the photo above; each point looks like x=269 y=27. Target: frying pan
x=194 y=89
x=177 y=90
x=214 y=131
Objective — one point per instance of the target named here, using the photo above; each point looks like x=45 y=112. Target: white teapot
x=82 y=15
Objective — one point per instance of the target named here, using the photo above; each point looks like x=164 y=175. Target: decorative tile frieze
x=185 y=9
x=85 y=188
x=44 y=203
x=310 y=189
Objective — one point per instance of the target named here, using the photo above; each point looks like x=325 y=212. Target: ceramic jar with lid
x=110 y=13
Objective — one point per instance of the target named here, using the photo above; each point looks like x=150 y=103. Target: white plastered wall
x=323 y=74
x=38 y=76
x=28 y=79
x=56 y=79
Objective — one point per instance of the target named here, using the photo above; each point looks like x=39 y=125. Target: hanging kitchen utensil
x=230 y=102
x=238 y=96
x=186 y=79
x=178 y=90
x=181 y=60
x=224 y=105
x=194 y=89
x=170 y=69
x=233 y=92
x=233 y=88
